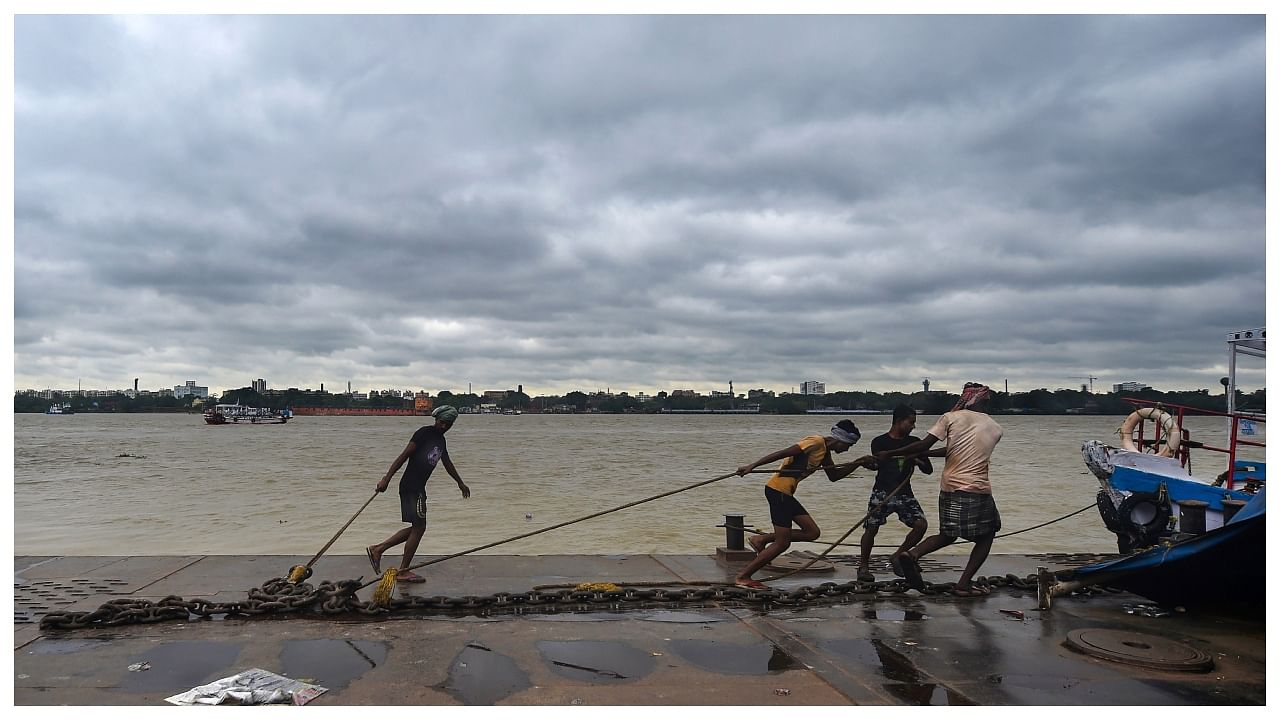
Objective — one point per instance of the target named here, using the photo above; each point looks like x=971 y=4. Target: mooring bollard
x=1230 y=508
x=735 y=548
x=1191 y=516
x=734 y=531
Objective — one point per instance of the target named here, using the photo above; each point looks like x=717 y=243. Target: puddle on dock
x=331 y=663
x=182 y=665
x=926 y=694
x=906 y=681
x=596 y=661
x=735 y=659
x=893 y=614
x=480 y=676
x=46 y=646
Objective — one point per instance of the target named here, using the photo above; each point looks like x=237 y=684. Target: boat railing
x=1239 y=471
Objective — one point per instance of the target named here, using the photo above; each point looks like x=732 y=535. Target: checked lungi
x=967 y=515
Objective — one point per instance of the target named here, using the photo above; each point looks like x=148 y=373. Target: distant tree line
x=1035 y=402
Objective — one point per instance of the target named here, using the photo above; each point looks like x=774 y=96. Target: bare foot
x=757 y=543
x=375 y=558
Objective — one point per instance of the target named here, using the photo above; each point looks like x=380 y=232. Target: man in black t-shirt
x=890 y=474
x=425 y=449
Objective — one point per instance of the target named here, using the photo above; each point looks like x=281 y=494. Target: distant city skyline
x=704 y=389
x=637 y=202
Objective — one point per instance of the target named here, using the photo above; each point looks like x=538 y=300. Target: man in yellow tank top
x=799 y=462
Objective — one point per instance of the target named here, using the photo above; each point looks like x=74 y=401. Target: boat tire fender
x=1144 y=533
x=1172 y=433
x=1110 y=514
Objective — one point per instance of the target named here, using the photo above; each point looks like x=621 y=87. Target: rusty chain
x=279 y=596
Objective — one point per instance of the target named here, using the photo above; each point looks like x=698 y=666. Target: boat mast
x=1244 y=342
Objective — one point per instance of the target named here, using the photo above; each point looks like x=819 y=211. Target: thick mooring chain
x=279 y=596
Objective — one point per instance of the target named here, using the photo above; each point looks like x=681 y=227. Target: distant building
x=760 y=393
x=495 y=395
x=684 y=393
x=422 y=403
x=813 y=387
x=190 y=389
x=1130 y=387
x=260 y=386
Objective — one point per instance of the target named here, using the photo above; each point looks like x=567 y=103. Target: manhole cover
x=1132 y=648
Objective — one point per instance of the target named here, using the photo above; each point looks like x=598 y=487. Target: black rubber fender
x=1145 y=533
x=1110 y=514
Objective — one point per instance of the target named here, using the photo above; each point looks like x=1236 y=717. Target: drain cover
x=1132 y=648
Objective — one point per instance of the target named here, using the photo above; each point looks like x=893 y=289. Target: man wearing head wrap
x=966 y=508
x=425 y=449
x=799 y=462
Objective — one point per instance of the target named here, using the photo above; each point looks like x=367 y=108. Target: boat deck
x=895 y=649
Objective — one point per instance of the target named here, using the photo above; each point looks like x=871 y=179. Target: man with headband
x=966 y=508
x=425 y=449
x=799 y=462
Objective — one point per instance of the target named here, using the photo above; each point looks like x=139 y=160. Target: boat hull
x=1222 y=566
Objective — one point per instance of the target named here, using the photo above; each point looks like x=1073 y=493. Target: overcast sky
x=636 y=203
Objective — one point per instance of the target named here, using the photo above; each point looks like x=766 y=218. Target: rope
x=756 y=531
x=563 y=524
x=301 y=572
x=849 y=532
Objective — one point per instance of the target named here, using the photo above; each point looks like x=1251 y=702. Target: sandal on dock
x=408 y=576
x=373 y=560
x=970 y=591
x=751 y=584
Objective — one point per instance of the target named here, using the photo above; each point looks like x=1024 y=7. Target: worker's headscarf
x=447 y=413
x=973 y=394
x=845 y=431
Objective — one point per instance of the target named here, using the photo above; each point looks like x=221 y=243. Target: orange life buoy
x=1172 y=433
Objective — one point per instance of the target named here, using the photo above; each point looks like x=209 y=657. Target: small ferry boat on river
x=235 y=413
x=63 y=409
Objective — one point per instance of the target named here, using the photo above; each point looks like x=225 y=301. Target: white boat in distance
x=236 y=413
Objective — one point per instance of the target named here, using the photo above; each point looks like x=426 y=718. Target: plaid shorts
x=967 y=515
x=907 y=507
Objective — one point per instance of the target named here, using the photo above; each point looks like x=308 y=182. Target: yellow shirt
x=815 y=451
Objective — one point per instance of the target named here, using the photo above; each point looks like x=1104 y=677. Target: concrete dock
x=892 y=649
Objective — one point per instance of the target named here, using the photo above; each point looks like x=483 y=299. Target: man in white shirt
x=966 y=508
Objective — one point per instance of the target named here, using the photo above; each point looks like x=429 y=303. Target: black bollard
x=1230 y=508
x=734 y=531
x=1191 y=516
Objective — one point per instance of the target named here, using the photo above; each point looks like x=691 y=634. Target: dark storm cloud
x=636 y=202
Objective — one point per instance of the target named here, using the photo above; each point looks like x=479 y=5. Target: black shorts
x=783 y=508
x=413 y=506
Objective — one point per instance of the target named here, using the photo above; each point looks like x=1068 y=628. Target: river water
x=156 y=484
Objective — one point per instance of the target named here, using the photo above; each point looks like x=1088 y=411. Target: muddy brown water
x=152 y=484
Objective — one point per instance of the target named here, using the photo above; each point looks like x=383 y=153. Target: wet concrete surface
x=890 y=649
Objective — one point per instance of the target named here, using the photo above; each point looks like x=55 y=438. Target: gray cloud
x=636 y=202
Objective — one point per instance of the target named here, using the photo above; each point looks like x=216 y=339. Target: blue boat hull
x=1225 y=565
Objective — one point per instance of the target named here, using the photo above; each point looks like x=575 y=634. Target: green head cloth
x=447 y=413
